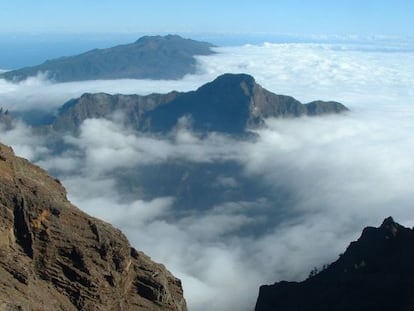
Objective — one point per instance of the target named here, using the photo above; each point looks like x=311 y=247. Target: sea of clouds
x=346 y=172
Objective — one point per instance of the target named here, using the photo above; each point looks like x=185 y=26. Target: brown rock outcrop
x=55 y=257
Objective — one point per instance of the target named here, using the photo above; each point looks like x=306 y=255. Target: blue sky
x=362 y=17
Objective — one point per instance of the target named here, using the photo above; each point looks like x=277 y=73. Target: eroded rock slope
x=55 y=257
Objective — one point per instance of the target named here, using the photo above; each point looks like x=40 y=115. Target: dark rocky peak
x=55 y=257
x=378 y=249
x=376 y=272
x=148 y=40
x=232 y=103
x=230 y=81
x=221 y=105
x=391 y=227
x=173 y=45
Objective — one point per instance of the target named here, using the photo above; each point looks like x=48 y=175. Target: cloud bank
x=347 y=73
x=40 y=93
x=343 y=172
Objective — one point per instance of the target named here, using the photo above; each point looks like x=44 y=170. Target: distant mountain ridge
x=150 y=57
x=375 y=273
x=231 y=103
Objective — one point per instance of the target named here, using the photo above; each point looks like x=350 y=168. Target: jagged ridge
x=231 y=103
x=375 y=273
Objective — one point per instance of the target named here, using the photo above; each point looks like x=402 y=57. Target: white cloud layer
x=346 y=171
x=351 y=74
x=39 y=93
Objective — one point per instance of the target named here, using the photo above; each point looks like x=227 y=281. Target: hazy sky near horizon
x=379 y=17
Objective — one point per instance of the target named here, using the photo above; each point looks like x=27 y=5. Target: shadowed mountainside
x=150 y=57
x=231 y=103
x=375 y=273
x=55 y=257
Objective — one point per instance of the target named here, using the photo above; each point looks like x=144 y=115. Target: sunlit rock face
x=55 y=257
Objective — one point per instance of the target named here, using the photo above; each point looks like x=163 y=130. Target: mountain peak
x=232 y=82
x=150 y=57
x=169 y=37
x=388 y=222
x=374 y=273
x=231 y=103
x=390 y=226
x=234 y=77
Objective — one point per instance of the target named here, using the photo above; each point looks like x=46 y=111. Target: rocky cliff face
x=375 y=273
x=55 y=257
x=231 y=103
